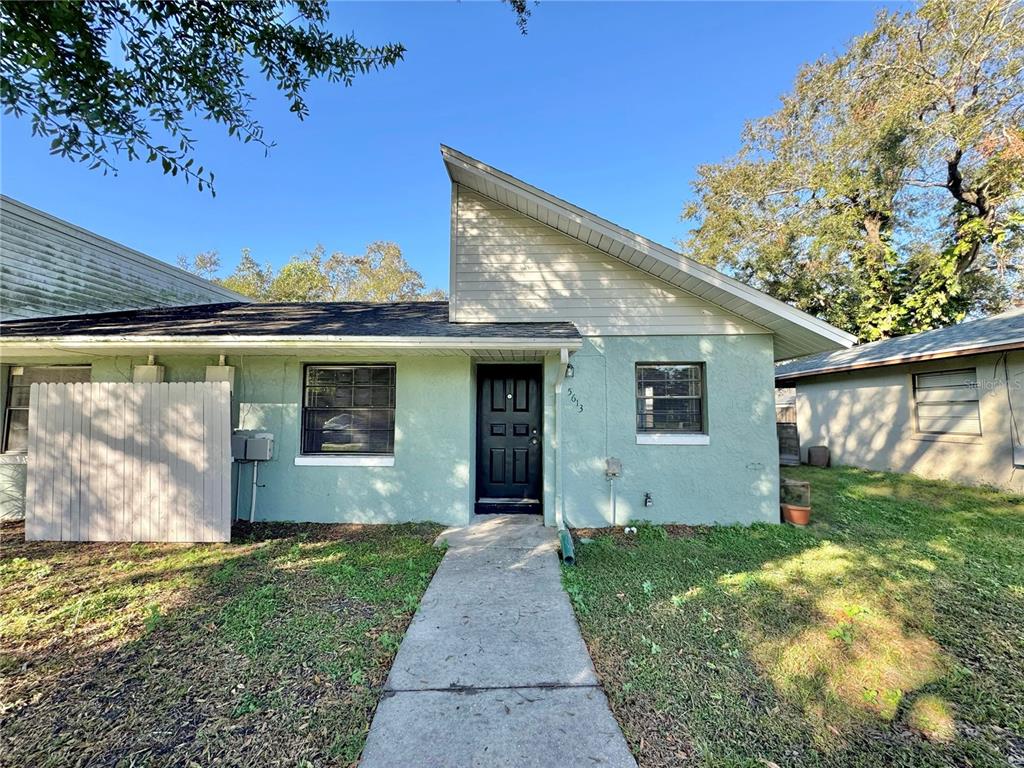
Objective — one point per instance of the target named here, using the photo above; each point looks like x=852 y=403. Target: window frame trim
x=5 y=435
x=338 y=459
x=924 y=434
x=670 y=436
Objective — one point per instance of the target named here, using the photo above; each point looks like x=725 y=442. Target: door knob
x=533 y=441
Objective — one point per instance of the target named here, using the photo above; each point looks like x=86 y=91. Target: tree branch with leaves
x=104 y=79
x=380 y=274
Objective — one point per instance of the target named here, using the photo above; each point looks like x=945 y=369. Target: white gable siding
x=507 y=266
x=51 y=267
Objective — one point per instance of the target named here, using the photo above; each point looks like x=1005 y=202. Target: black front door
x=508 y=474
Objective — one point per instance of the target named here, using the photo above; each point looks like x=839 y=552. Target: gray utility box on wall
x=249 y=445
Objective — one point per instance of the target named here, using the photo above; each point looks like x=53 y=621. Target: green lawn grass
x=270 y=650
x=889 y=632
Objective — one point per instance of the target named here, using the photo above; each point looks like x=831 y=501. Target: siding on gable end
x=51 y=267
x=509 y=267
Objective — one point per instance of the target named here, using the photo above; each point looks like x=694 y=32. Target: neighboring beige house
x=49 y=266
x=945 y=404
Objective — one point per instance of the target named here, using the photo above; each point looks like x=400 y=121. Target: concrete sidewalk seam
x=477 y=688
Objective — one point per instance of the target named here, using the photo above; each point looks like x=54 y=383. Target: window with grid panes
x=348 y=409
x=670 y=398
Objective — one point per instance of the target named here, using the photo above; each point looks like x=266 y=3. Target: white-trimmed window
x=946 y=402
x=670 y=399
x=19 y=381
x=348 y=410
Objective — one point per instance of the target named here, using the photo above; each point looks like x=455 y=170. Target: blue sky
x=608 y=105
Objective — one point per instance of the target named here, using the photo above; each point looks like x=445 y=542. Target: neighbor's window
x=348 y=409
x=670 y=397
x=946 y=402
x=19 y=381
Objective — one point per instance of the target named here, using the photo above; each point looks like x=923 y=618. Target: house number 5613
x=574 y=400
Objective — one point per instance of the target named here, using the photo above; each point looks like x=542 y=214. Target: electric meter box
x=259 y=447
x=250 y=445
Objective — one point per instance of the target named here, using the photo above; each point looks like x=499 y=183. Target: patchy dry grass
x=890 y=632
x=267 y=651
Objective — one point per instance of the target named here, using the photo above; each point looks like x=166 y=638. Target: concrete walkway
x=493 y=670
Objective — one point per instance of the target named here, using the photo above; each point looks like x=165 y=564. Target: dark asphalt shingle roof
x=409 y=318
x=997 y=332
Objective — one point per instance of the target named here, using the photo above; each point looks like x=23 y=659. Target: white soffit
x=796 y=333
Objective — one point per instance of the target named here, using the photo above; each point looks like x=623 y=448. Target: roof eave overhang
x=786 y=380
x=797 y=332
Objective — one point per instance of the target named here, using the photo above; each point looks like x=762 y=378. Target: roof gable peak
x=796 y=333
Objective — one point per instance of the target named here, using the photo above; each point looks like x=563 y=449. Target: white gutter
x=287 y=342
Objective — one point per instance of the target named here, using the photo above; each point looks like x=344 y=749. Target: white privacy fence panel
x=129 y=462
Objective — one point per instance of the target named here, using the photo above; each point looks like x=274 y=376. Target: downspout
x=564 y=537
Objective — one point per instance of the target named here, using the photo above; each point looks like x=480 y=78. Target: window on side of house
x=946 y=402
x=19 y=382
x=670 y=398
x=348 y=410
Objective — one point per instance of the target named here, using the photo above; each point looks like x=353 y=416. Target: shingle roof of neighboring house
x=795 y=332
x=426 y=319
x=49 y=266
x=989 y=334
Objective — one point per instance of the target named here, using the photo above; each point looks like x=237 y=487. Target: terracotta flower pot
x=794 y=514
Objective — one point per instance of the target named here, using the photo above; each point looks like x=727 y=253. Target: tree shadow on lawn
x=889 y=632
x=269 y=649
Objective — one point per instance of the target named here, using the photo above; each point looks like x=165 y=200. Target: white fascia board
x=290 y=342
x=649 y=248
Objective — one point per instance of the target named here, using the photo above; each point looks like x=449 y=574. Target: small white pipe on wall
x=611 y=500
x=252 y=499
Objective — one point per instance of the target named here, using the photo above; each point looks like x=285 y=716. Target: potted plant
x=795 y=498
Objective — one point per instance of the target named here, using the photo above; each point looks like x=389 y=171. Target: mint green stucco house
x=578 y=371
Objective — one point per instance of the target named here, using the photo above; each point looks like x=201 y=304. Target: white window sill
x=13 y=458
x=671 y=438
x=937 y=437
x=344 y=461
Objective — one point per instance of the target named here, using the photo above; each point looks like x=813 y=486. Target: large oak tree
x=885 y=194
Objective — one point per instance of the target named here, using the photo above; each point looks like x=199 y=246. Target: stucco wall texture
x=733 y=479
x=866 y=418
